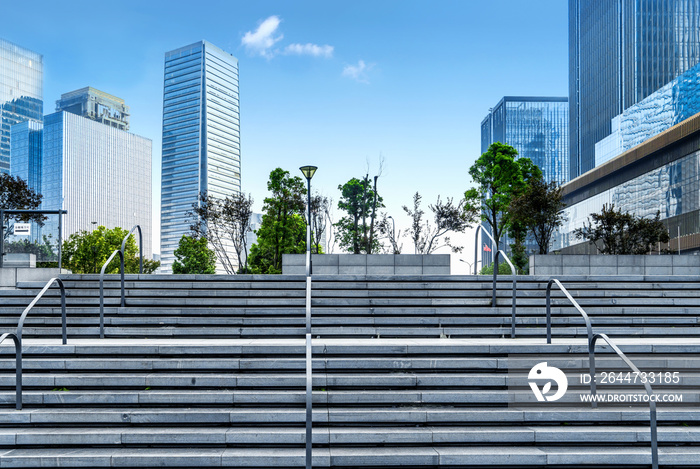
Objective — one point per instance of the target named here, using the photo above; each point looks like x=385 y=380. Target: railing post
x=18 y=367
x=549 y=311
x=495 y=278
x=60 y=239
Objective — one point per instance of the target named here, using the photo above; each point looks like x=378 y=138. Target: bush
x=503 y=269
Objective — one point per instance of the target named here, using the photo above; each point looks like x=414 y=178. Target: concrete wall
x=566 y=264
x=9 y=276
x=368 y=264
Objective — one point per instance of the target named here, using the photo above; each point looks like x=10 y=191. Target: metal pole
x=60 y=242
x=2 y=237
x=308 y=230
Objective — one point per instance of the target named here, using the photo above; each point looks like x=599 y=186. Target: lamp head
x=308 y=171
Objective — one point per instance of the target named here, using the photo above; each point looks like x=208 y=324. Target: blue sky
x=334 y=84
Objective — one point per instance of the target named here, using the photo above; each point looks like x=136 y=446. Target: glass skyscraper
x=535 y=126
x=620 y=52
x=21 y=82
x=201 y=136
x=97 y=173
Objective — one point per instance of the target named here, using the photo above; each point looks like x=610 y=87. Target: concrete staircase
x=210 y=372
x=351 y=306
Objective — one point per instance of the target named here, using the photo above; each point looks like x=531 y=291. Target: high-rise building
x=96 y=105
x=535 y=126
x=620 y=52
x=201 y=139
x=96 y=172
x=21 y=82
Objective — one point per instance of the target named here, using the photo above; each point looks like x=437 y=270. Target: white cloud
x=358 y=72
x=261 y=41
x=315 y=50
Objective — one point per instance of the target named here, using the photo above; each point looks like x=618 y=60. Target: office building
x=96 y=172
x=96 y=105
x=201 y=137
x=21 y=82
x=535 y=126
x=620 y=52
x=661 y=174
x=671 y=104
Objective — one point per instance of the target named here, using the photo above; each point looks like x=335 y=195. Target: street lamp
x=308 y=172
x=393 y=232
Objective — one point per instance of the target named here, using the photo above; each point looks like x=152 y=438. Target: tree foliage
x=499 y=177
x=283 y=229
x=447 y=217
x=320 y=220
x=193 y=256
x=224 y=222
x=615 y=232
x=357 y=231
x=388 y=230
x=540 y=209
x=15 y=194
x=86 y=252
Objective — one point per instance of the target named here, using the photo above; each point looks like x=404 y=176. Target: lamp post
x=308 y=172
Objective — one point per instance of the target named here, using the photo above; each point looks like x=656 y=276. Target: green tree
x=283 y=229
x=85 y=252
x=541 y=210
x=15 y=194
x=499 y=176
x=447 y=217
x=193 y=256
x=357 y=232
x=222 y=222
x=616 y=232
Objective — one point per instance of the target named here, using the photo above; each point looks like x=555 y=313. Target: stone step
x=158 y=396
x=408 y=415
x=410 y=457
x=424 y=435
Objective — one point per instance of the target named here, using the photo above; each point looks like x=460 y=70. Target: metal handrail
x=17 y=336
x=576 y=305
x=495 y=274
x=102 y=296
x=18 y=368
x=647 y=387
x=122 y=255
x=591 y=360
x=140 y=249
x=48 y=285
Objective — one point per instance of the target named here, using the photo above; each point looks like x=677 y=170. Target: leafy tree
x=44 y=251
x=85 y=252
x=541 y=210
x=223 y=222
x=358 y=231
x=499 y=177
x=447 y=216
x=320 y=220
x=15 y=194
x=283 y=229
x=615 y=232
x=387 y=228
x=193 y=256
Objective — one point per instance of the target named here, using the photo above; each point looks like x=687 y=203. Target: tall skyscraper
x=96 y=172
x=96 y=105
x=535 y=126
x=21 y=82
x=201 y=136
x=620 y=52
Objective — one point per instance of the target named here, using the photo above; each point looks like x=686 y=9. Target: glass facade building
x=673 y=103
x=620 y=52
x=662 y=174
x=535 y=126
x=201 y=136
x=97 y=173
x=21 y=83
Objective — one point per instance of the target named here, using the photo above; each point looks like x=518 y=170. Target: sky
x=340 y=85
